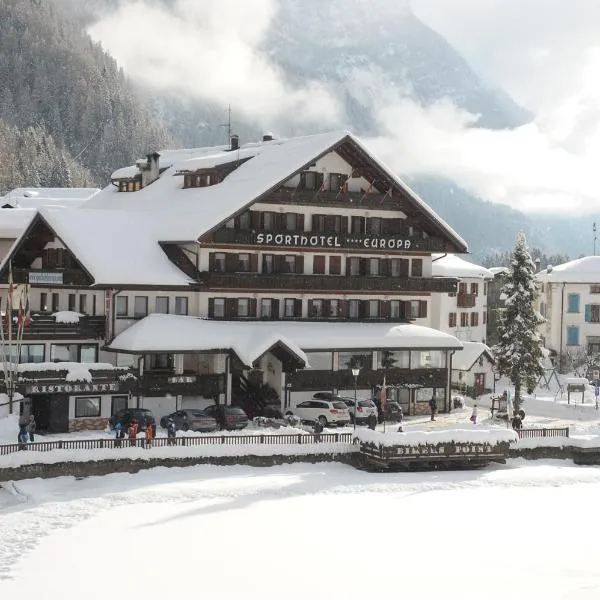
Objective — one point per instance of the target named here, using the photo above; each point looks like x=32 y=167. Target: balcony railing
x=326 y=283
x=465 y=300
x=327 y=240
x=333 y=199
x=43 y=326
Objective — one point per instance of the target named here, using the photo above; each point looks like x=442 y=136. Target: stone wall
x=97 y=423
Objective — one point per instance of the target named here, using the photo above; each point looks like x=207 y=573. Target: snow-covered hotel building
x=569 y=299
x=201 y=274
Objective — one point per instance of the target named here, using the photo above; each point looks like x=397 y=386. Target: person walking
x=118 y=433
x=171 y=431
x=22 y=437
x=474 y=415
x=149 y=435
x=372 y=421
x=132 y=432
x=433 y=408
x=31 y=427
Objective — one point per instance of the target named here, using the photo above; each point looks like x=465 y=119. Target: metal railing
x=159 y=442
x=543 y=432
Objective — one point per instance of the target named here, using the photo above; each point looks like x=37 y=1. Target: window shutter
x=254 y=263
x=363 y=309
x=311 y=309
x=300 y=263
x=404 y=267
x=384 y=309
x=297 y=308
x=345 y=308
x=330 y=223
x=422 y=309
x=327 y=308
x=335 y=265
x=319 y=265
x=363 y=266
x=211 y=307
x=300 y=222
x=405 y=310
x=384 y=267
x=588 y=313
x=275 y=309
x=255 y=219
x=278 y=263
x=417 y=267
x=211 y=262
x=252 y=308
x=230 y=308
x=231 y=262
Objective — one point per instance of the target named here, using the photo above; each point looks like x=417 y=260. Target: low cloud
x=211 y=50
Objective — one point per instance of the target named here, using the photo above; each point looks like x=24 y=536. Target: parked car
x=393 y=411
x=323 y=411
x=364 y=409
x=196 y=420
x=228 y=417
x=142 y=416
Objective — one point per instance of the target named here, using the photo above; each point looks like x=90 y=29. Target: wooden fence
x=205 y=440
x=543 y=432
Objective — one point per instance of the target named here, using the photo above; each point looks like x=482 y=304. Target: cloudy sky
x=544 y=53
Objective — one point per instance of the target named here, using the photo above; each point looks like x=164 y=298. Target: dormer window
x=131 y=185
x=197 y=180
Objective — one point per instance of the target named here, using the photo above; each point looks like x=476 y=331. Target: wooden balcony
x=313 y=380
x=326 y=240
x=333 y=199
x=325 y=283
x=167 y=382
x=466 y=300
x=51 y=277
x=43 y=326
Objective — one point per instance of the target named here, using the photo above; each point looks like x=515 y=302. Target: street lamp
x=355 y=372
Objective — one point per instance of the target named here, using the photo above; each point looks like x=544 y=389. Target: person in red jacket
x=148 y=433
x=132 y=432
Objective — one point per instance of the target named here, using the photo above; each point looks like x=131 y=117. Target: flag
x=368 y=191
x=20 y=314
x=388 y=194
x=11 y=286
x=343 y=186
x=383 y=396
x=27 y=310
x=322 y=187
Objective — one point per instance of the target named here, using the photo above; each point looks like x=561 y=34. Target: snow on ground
x=298 y=531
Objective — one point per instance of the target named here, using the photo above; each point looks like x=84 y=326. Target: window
x=452 y=319
x=160 y=361
x=316 y=308
x=43 y=302
x=335 y=265
x=593 y=344
x=319 y=265
x=572 y=336
x=181 y=305
x=291 y=221
x=121 y=306
x=334 y=308
x=244 y=220
x=265 y=308
x=72 y=303
x=354 y=267
x=55 y=302
x=320 y=361
x=417 y=267
x=592 y=313
x=393 y=359
x=85 y=353
x=595 y=289
x=243 y=263
x=219 y=264
x=399 y=267
x=310 y=180
x=88 y=353
x=373 y=308
x=289 y=263
x=243 y=307
x=267 y=220
x=318 y=222
x=359 y=358
x=289 y=307
x=475 y=288
x=474 y=319
x=117 y=403
x=267 y=263
x=218 y=308
x=427 y=359
x=140 y=307
x=162 y=305
x=418 y=309
x=94 y=304
x=573 y=303
x=373 y=266
x=464 y=319
x=353 y=309
x=395 y=312
x=462 y=288
x=87 y=407
x=83 y=304
x=32 y=353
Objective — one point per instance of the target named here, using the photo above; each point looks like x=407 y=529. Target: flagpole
x=10 y=352
x=4 y=356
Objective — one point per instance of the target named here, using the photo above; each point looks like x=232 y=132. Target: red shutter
x=335 y=265
x=252 y=308
x=297 y=308
x=254 y=263
x=211 y=308
x=319 y=265
x=300 y=263
x=422 y=309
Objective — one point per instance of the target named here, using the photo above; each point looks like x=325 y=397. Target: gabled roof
x=265 y=167
x=463 y=361
x=40 y=197
x=174 y=333
x=14 y=221
x=582 y=270
x=112 y=249
x=452 y=265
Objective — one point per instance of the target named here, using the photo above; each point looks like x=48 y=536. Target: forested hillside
x=68 y=116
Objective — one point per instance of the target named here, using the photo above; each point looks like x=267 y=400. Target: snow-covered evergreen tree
x=519 y=351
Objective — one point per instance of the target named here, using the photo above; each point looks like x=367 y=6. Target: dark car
x=142 y=416
x=393 y=412
x=196 y=420
x=228 y=417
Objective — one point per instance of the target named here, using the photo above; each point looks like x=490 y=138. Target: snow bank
x=579 y=441
x=439 y=436
x=205 y=451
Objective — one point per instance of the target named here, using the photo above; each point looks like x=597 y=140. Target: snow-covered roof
x=464 y=360
x=452 y=265
x=581 y=270
x=14 y=221
x=497 y=270
x=115 y=249
x=249 y=340
x=271 y=164
x=55 y=197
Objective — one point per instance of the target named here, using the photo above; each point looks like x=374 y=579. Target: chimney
x=235 y=142
x=268 y=136
x=151 y=170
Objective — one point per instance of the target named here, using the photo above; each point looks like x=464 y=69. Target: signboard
x=182 y=379
x=447 y=450
x=309 y=240
x=71 y=388
x=45 y=278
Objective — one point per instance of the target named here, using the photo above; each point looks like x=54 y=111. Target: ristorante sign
x=310 y=240
x=72 y=388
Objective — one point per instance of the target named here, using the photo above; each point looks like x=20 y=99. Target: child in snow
x=31 y=427
x=474 y=415
x=132 y=431
x=148 y=435
x=171 y=431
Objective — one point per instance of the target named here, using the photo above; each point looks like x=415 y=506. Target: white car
x=364 y=410
x=325 y=412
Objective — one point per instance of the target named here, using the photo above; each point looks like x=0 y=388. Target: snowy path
x=297 y=530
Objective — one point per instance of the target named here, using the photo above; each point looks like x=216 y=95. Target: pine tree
x=519 y=351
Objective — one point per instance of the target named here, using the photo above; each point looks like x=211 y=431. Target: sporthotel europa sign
x=309 y=240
